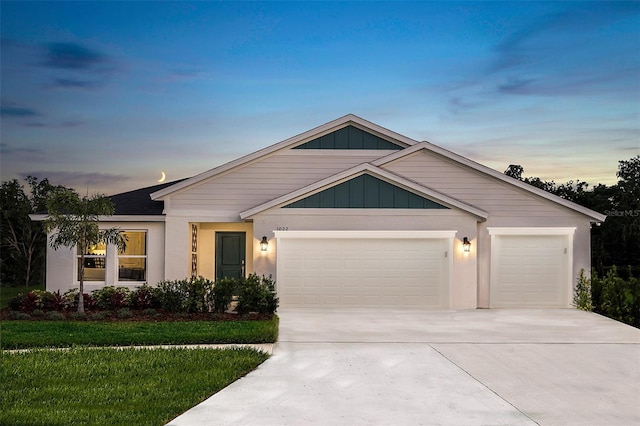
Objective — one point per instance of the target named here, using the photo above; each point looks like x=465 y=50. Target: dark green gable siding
x=349 y=138
x=365 y=192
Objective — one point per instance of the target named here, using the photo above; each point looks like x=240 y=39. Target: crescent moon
x=162 y=179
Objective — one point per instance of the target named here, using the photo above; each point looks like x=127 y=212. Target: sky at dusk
x=104 y=96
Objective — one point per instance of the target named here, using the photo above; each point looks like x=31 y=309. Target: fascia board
x=359 y=169
x=598 y=217
x=287 y=143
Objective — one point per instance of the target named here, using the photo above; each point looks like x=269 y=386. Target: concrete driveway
x=479 y=367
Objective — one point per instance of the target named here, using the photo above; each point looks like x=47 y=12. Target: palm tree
x=73 y=221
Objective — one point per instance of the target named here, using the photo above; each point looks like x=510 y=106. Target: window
x=95 y=260
x=132 y=262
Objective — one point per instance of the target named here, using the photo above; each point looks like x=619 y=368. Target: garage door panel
x=529 y=271
x=362 y=272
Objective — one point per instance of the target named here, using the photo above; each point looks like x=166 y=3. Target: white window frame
x=144 y=256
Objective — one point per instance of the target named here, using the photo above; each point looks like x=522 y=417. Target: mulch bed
x=159 y=316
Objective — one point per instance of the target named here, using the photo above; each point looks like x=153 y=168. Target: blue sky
x=103 y=96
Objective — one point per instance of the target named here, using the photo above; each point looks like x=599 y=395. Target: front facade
x=353 y=215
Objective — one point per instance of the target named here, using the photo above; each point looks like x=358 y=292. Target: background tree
x=74 y=222
x=617 y=240
x=22 y=241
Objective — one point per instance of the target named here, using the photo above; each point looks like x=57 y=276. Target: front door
x=230 y=254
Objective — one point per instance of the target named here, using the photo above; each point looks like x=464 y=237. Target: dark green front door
x=230 y=254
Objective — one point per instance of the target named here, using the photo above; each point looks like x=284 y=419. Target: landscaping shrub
x=169 y=295
x=257 y=294
x=99 y=316
x=197 y=289
x=144 y=297
x=70 y=300
x=222 y=295
x=149 y=312
x=49 y=301
x=616 y=297
x=188 y=295
x=582 y=294
x=17 y=315
x=110 y=297
x=37 y=313
x=37 y=300
x=78 y=316
x=124 y=313
x=54 y=316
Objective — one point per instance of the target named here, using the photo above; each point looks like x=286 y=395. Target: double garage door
x=363 y=269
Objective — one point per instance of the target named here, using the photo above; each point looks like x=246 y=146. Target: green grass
x=82 y=386
x=33 y=334
x=7 y=293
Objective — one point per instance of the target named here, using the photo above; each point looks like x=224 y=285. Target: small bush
x=222 y=295
x=169 y=295
x=124 y=313
x=110 y=297
x=37 y=313
x=70 y=300
x=257 y=294
x=54 y=316
x=17 y=315
x=582 y=294
x=143 y=297
x=78 y=316
x=15 y=303
x=149 y=312
x=99 y=316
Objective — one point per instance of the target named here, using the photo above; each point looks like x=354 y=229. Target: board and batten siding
x=268 y=178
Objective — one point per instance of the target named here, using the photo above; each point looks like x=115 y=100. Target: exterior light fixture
x=466 y=245
x=264 y=244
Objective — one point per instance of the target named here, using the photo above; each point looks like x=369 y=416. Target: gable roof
x=357 y=171
x=427 y=146
x=292 y=142
x=410 y=146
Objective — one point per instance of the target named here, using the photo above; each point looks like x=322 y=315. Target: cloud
x=69 y=83
x=72 y=56
x=62 y=125
x=15 y=111
x=17 y=154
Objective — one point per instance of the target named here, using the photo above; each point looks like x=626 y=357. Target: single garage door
x=530 y=271
x=347 y=269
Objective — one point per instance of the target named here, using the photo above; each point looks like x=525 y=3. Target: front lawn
x=103 y=386
x=33 y=334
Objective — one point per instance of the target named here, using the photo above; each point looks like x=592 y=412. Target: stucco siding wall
x=463 y=291
x=264 y=180
x=61 y=263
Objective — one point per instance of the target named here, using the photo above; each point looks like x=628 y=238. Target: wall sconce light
x=264 y=244
x=466 y=245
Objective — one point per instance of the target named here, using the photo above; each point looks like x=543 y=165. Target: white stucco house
x=350 y=214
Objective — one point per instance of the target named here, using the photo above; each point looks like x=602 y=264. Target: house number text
x=282 y=228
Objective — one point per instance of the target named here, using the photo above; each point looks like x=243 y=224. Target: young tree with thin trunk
x=74 y=222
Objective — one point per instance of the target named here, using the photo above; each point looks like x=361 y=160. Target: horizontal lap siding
x=464 y=184
x=263 y=181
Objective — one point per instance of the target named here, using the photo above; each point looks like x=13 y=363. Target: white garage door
x=354 y=270
x=530 y=271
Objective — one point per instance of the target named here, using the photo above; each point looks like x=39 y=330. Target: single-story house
x=350 y=214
